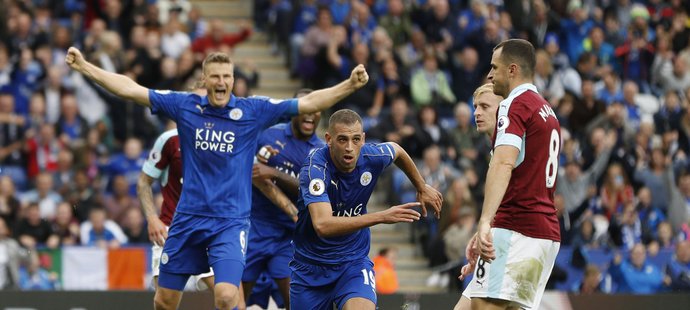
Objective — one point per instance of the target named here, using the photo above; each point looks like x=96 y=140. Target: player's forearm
x=118 y=84
x=497 y=180
x=145 y=195
x=325 y=98
x=406 y=164
x=334 y=226
x=287 y=183
x=278 y=198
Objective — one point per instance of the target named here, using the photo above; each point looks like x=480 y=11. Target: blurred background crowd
x=616 y=72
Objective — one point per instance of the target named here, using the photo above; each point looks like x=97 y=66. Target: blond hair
x=216 y=57
x=486 y=88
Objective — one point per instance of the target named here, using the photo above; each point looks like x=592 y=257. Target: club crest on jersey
x=502 y=122
x=155 y=156
x=365 y=179
x=316 y=187
x=235 y=114
x=164 y=258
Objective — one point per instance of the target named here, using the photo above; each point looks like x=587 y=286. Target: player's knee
x=162 y=303
x=226 y=296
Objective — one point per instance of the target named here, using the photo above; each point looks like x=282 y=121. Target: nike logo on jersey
x=201 y=109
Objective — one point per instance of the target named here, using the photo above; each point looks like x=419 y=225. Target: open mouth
x=348 y=159
x=308 y=125
x=219 y=94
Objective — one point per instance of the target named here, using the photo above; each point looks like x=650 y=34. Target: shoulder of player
x=165 y=138
x=527 y=101
x=377 y=149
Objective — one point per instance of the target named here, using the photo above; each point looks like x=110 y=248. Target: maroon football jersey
x=526 y=121
x=165 y=163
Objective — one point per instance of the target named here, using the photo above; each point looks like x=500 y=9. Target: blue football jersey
x=218 y=147
x=348 y=195
x=292 y=154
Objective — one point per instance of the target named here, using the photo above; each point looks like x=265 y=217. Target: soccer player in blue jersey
x=332 y=238
x=218 y=134
x=270 y=236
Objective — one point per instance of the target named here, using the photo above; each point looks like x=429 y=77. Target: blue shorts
x=319 y=287
x=265 y=289
x=196 y=243
x=270 y=250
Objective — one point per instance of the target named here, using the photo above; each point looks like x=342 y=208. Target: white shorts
x=194 y=283
x=520 y=271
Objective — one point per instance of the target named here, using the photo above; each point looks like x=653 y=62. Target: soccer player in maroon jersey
x=165 y=164
x=518 y=234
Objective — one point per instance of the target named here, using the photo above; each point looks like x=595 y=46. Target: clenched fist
x=75 y=59
x=359 y=76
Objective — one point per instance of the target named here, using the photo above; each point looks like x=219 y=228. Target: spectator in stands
x=397 y=22
x=636 y=56
x=52 y=91
x=12 y=255
x=71 y=128
x=134 y=226
x=216 y=37
x=467 y=141
x=305 y=16
x=389 y=85
x=174 y=41
x=429 y=86
x=430 y=133
x=573 y=183
x=609 y=89
x=37 y=114
x=459 y=233
x=591 y=281
x=84 y=196
x=616 y=192
x=120 y=200
x=196 y=25
x=575 y=28
x=650 y=216
x=44 y=195
x=467 y=74
x=178 y=10
x=678 y=269
x=33 y=277
x=42 y=152
x=12 y=141
x=412 y=52
x=399 y=127
x=33 y=231
x=625 y=227
x=545 y=78
x=651 y=174
x=65 y=226
x=9 y=204
x=669 y=115
x=101 y=232
x=664 y=236
x=603 y=50
x=439 y=25
x=384 y=268
x=636 y=275
x=128 y=163
x=586 y=108
x=64 y=176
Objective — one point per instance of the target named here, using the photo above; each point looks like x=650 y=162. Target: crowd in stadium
x=616 y=72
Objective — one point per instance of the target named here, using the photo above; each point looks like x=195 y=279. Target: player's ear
x=328 y=139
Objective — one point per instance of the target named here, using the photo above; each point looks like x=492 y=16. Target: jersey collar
x=523 y=87
x=231 y=104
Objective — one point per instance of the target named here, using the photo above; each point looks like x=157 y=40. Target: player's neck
x=517 y=82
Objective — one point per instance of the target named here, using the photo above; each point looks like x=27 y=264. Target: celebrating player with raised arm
x=218 y=134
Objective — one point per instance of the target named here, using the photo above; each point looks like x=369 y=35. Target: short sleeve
x=166 y=102
x=313 y=181
x=382 y=153
x=511 y=124
x=270 y=110
x=160 y=156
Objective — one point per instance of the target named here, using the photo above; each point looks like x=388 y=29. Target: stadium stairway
x=275 y=82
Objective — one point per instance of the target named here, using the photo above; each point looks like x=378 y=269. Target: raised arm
x=118 y=84
x=325 y=98
x=426 y=195
x=326 y=225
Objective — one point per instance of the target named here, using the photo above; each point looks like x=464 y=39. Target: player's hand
x=430 y=198
x=401 y=213
x=265 y=153
x=359 y=76
x=157 y=231
x=472 y=254
x=75 y=59
x=485 y=243
x=261 y=171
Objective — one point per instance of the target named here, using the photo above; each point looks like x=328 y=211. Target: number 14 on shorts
x=369 y=278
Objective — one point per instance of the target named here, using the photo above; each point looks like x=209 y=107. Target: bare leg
x=359 y=303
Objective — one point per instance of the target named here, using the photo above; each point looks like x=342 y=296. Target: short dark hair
x=216 y=57
x=520 y=52
x=344 y=116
